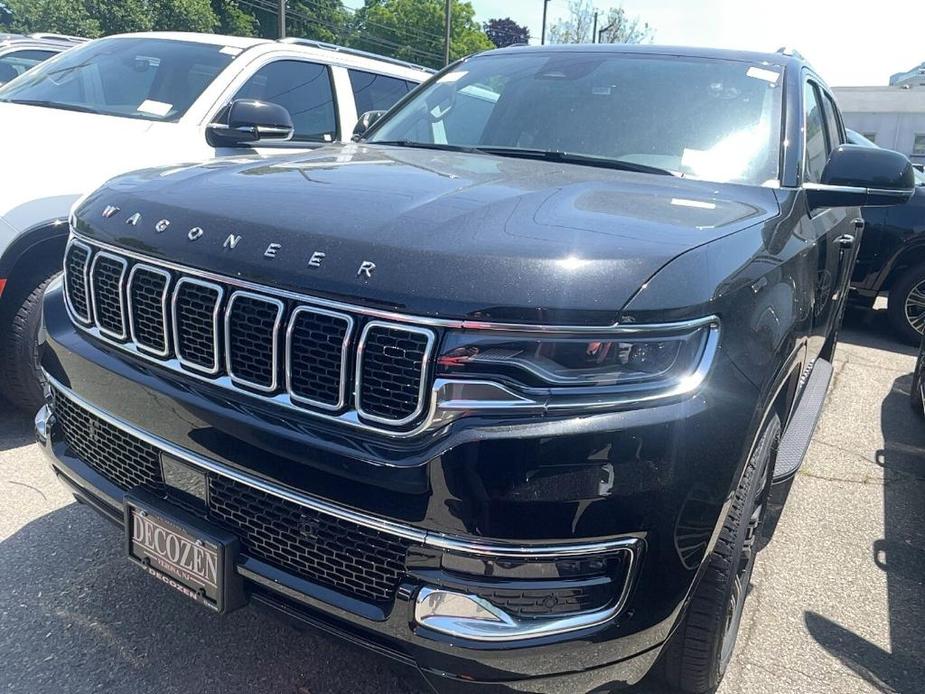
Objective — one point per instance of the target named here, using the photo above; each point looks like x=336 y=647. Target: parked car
x=20 y=52
x=892 y=259
x=137 y=100
x=501 y=388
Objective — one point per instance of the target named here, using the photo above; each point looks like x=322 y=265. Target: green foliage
x=183 y=15
x=414 y=30
x=233 y=20
x=323 y=20
x=506 y=32
x=60 y=16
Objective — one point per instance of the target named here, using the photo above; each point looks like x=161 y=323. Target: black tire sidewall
x=896 y=304
x=22 y=379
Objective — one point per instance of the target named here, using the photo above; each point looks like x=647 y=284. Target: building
x=893 y=117
x=911 y=78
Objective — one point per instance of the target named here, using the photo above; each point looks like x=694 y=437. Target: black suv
x=501 y=388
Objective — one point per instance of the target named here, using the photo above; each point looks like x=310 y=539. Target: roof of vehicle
x=245 y=42
x=62 y=40
x=783 y=57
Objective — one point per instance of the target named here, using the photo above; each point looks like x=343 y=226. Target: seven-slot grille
x=301 y=355
x=360 y=562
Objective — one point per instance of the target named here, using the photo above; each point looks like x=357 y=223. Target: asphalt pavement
x=837 y=600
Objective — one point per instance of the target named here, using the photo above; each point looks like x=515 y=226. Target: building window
x=870 y=136
x=918 y=146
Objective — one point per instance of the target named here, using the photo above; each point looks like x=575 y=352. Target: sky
x=848 y=46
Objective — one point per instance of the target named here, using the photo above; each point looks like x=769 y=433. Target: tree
x=183 y=15
x=506 y=32
x=414 y=30
x=619 y=27
x=615 y=27
x=233 y=20
x=60 y=16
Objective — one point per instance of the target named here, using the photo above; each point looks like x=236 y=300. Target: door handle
x=858 y=223
x=845 y=241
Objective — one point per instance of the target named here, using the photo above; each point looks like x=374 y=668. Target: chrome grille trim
x=164 y=317
x=422 y=389
x=73 y=242
x=216 y=361
x=274 y=359
x=121 y=290
x=344 y=359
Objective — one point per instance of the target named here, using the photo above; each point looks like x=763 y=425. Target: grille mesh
x=316 y=353
x=347 y=557
x=194 y=306
x=75 y=266
x=390 y=372
x=322 y=549
x=538 y=602
x=119 y=457
x=251 y=328
x=106 y=276
x=146 y=293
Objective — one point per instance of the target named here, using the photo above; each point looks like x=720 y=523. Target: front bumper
x=643 y=480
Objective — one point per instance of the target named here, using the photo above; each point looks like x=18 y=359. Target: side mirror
x=249 y=121
x=365 y=122
x=856 y=176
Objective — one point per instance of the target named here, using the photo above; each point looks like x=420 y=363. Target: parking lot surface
x=837 y=598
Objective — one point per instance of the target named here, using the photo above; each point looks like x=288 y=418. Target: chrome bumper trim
x=440 y=541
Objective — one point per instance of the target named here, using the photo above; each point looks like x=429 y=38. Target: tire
x=918 y=382
x=20 y=376
x=698 y=653
x=907 y=302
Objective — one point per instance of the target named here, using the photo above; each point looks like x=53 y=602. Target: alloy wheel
x=914 y=307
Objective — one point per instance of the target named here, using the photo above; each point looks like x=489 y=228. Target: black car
x=498 y=390
x=892 y=258
x=918 y=381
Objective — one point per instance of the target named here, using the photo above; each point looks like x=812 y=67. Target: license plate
x=183 y=552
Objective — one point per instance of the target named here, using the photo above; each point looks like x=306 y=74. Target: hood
x=449 y=234
x=52 y=156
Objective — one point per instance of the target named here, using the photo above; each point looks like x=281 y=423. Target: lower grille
x=119 y=457
x=549 y=602
x=353 y=560
x=323 y=549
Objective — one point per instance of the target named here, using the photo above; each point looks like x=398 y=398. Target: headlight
x=643 y=359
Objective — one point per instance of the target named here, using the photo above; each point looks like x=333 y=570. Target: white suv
x=140 y=100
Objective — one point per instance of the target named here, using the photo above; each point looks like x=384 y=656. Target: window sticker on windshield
x=155 y=108
x=230 y=50
x=454 y=76
x=763 y=74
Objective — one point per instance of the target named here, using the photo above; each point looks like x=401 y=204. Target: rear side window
x=814 y=125
x=831 y=122
x=374 y=92
x=12 y=65
x=303 y=89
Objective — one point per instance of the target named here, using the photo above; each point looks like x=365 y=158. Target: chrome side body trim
x=457 y=544
x=86 y=320
x=275 y=339
x=96 y=320
x=164 y=317
x=344 y=357
x=425 y=371
x=216 y=364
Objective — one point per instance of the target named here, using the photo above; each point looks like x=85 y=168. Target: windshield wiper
x=53 y=104
x=569 y=158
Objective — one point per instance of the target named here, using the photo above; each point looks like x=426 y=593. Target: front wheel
x=21 y=380
x=918 y=382
x=906 y=304
x=696 y=657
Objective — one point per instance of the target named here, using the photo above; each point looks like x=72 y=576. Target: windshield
x=155 y=79
x=711 y=119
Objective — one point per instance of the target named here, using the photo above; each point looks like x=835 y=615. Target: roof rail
x=311 y=43
x=57 y=37
x=792 y=52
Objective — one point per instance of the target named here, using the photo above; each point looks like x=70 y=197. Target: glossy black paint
x=880 y=175
x=248 y=121
x=477 y=236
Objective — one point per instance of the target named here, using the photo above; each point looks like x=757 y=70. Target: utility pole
x=281 y=17
x=543 y=32
x=594 y=32
x=600 y=34
x=446 y=39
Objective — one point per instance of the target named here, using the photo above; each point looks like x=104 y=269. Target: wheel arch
x=37 y=252
x=908 y=257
